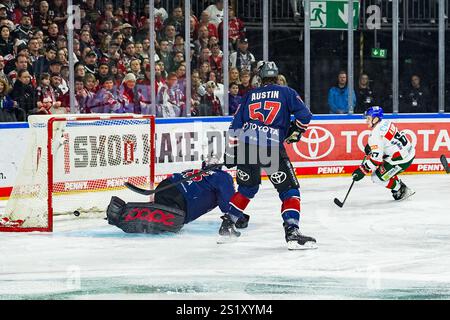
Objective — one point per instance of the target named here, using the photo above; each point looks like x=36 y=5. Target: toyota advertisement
x=337 y=147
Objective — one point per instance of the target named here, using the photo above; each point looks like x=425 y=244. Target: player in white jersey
x=388 y=153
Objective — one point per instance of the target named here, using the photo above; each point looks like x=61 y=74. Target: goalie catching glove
x=295 y=131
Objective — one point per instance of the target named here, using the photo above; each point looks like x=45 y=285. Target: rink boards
x=333 y=144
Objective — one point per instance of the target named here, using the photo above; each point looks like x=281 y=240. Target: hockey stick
x=150 y=192
x=336 y=200
x=339 y=203
x=445 y=163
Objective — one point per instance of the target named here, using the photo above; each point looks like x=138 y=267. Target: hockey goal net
x=74 y=164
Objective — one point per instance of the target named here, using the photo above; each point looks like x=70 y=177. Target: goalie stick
x=150 y=192
x=445 y=163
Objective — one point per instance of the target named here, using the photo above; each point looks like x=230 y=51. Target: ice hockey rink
x=372 y=248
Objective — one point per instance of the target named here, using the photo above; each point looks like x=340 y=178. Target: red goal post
x=75 y=163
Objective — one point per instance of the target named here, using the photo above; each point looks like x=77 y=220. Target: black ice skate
x=402 y=193
x=296 y=241
x=242 y=222
x=227 y=231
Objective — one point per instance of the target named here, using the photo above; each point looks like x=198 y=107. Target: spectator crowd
x=112 y=61
x=413 y=98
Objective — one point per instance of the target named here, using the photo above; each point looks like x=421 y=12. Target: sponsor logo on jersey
x=261 y=128
x=278 y=177
x=316 y=143
x=374 y=147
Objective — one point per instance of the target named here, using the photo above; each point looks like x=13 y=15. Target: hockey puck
x=76 y=213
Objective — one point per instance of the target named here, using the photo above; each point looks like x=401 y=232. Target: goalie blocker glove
x=295 y=131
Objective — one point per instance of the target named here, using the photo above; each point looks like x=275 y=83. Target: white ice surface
x=372 y=248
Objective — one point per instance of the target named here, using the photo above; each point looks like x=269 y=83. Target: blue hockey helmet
x=374 y=112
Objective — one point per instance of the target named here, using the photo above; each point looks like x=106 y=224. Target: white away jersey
x=389 y=144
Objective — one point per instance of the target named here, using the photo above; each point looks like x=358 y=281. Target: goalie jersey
x=389 y=144
x=202 y=194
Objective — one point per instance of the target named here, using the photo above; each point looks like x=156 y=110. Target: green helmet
x=268 y=70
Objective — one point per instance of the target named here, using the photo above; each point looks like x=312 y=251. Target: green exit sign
x=379 y=53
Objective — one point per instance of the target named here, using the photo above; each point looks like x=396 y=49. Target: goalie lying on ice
x=175 y=206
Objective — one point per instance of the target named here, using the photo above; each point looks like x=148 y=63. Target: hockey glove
x=359 y=173
x=294 y=133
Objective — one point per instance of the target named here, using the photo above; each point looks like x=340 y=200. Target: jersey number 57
x=272 y=106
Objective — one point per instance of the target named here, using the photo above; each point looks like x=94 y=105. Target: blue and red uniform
x=262 y=122
x=268 y=109
x=175 y=205
x=203 y=194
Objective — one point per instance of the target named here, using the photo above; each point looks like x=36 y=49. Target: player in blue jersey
x=176 y=206
x=256 y=135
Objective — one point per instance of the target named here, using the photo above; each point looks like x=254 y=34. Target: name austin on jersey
x=273 y=94
x=266 y=95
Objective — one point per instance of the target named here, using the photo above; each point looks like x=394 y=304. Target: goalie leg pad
x=115 y=210
x=144 y=217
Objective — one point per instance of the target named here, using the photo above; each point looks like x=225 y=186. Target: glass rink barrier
x=101 y=94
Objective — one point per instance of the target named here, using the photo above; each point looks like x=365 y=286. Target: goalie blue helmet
x=374 y=112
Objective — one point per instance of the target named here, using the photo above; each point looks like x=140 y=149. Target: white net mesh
x=89 y=162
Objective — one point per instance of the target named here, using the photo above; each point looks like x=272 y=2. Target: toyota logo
x=319 y=141
x=242 y=175
x=278 y=177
